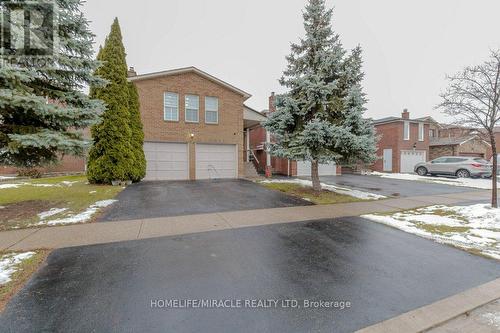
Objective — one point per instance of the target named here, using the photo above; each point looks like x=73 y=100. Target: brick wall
x=229 y=130
x=69 y=164
x=391 y=137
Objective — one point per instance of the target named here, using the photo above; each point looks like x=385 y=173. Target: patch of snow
x=337 y=189
x=8 y=177
x=9 y=263
x=83 y=216
x=3 y=186
x=479 y=225
x=51 y=212
x=92 y=192
x=462 y=182
x=42 y=185
x=69 y=183
x=493 y=318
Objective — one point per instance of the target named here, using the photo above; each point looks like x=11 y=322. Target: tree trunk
x=315 y=176
x=494 y=191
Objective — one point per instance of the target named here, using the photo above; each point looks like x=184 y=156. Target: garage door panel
x=166 y=161
x=216 y=161
x=411 y=158
x=327 y=169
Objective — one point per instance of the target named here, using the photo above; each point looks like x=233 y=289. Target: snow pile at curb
x=81 y=217
x=474 y=227
x=340 y=190
x=9 y=263
x=484 y=184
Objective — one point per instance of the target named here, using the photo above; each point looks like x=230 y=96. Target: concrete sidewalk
x=107 y=232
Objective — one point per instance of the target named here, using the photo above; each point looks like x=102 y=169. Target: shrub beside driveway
x=52 y=201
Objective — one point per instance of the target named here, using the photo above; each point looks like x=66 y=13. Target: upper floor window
x=192 y=105
x=211 y=110
x=171 y=106
x=406 y=130
x=420 y=131
x=431 y=133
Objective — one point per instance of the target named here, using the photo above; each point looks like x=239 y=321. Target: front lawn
x=51 y=201
x=323 y=198
x=15 y=270
x=474 y=228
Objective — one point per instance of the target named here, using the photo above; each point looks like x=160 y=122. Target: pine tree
x=320 y=118
x=138 y=168
x=111 y=155
x=43 y=108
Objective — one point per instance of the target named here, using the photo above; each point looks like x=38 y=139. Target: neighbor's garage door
x=409 y=158
x=304 y=169
x=166 y=161
x=216 y=161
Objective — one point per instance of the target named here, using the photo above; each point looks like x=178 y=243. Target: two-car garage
x=171 y=161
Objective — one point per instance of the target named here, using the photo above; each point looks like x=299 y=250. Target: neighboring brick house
x=455 y=140
x=265 y=163
x=66 y=164
x=403 y=143
x=194 y=125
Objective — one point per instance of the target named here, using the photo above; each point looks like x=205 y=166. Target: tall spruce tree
x=43 y=108
x=320 y=118
x=138 y=168
x=111 y=155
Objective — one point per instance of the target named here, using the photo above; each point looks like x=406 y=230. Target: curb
x=440 y=312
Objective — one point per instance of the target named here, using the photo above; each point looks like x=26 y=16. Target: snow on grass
x=473 y=227
x=480 y=183
x=51 y=212
x=340 y=190
x=493 y=318
x=9 y=264
x=84 y=216
x=7 y=177
x=4 y=186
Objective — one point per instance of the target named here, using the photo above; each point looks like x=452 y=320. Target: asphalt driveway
x=174 y=198
x=381 y=271
x=392 y=187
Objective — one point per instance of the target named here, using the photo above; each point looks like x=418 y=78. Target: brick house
x=459 y=141
x=403 y=143
x=265 y=163
x=195 y=125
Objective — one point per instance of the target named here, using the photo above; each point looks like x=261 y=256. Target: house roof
x=189 y=70
x=452 y=141
x=394 y=119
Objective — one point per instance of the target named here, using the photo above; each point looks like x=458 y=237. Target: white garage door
x=410 y=158
x=166 y=161
x=216 y=161
x=304 y=169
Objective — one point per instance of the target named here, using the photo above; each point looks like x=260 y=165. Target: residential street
x=381 y=271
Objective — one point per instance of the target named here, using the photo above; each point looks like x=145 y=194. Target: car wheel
x=462 y=173
x=421 y=171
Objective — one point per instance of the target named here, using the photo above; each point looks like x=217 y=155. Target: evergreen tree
x=43 y=108
x=320 y=118
x=138 y=168
x=111 y=155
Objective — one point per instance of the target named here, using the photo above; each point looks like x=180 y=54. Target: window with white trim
x=420 y=131
x=192 y=107
x=211 y=110
x=406 y=130
x=171 y=106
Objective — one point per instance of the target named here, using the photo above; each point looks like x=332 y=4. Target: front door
x=388 y=160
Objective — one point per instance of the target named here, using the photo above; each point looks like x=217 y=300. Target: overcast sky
x=408 y=45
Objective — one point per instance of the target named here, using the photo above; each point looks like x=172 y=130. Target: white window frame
x=421 y=132
x=207 y=110
x=173 y=107
x=186 y=109
x=406 y=130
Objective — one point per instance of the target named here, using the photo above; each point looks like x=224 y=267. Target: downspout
x=268 y=155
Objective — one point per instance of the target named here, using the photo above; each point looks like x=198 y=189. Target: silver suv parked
x=460 y=166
